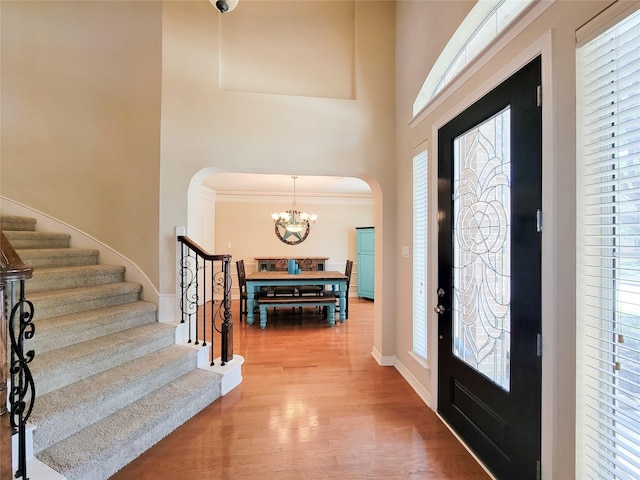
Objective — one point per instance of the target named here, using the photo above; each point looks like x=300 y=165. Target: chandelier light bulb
x=295 y=227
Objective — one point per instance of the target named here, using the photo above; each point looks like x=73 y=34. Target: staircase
x=110 y=380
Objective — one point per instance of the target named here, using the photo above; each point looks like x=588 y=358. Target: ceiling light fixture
x=292 y=226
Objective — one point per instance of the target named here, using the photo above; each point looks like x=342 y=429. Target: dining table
x=257 y=280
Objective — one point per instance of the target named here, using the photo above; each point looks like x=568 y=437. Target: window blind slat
x=420 y=225
x=608 y=259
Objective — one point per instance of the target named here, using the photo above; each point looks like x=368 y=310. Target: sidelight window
x=608 y=253
x=420 y=225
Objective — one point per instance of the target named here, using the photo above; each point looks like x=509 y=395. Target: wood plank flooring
x=313 y=404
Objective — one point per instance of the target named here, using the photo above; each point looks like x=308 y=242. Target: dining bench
x=297 y=301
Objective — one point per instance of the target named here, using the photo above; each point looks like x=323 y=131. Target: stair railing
x=203 y=275
x=19 y=311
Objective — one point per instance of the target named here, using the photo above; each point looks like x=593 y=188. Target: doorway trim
x=550 y=435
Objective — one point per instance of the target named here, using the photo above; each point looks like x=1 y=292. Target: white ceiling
x=283 y=184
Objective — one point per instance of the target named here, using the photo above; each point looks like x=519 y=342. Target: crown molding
x=262 y=197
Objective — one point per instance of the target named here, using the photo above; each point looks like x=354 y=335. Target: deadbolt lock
x=440 y=292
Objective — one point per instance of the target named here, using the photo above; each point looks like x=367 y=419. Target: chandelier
x=292 y=226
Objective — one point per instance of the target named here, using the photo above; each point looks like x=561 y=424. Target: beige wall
x=112 y=111
x=207 y=129
x=81 y=118
x=555 y=29
x=248 y=227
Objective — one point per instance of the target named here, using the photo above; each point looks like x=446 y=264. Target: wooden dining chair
x=347 y=271
x=242 y=286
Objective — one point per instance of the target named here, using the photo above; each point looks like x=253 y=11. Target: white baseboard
x=383 y=361
x=422 y=392
x=392 y=361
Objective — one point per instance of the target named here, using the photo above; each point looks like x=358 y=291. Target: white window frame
x=484 y=23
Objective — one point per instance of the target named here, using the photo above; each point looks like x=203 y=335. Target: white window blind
x=608 y=254
x=420 y=223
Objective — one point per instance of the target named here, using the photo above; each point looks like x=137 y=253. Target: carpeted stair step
x=14 y=223
x=65 y=330
x=61 y=413
x=59 y=278
x=100 y=450
x=58 y=257
x=52 y=303
x=64 y=366
x=30 y=240
x=110 y=382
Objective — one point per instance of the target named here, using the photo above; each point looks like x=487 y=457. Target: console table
x=275 y=264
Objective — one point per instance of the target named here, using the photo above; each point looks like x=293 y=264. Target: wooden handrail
x=200 y=251
x=12 y=268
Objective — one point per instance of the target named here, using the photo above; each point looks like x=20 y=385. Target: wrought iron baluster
x=22 y=394
x=218 y=283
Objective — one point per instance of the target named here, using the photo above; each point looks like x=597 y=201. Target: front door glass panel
x=482 y=236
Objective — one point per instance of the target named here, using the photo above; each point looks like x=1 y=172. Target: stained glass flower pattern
x=481 y=303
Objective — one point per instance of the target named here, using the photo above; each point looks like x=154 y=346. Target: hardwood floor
x=313 y=404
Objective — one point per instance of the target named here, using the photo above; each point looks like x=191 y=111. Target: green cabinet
x=366 y=261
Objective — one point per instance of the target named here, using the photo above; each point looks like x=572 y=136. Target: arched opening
x=242 y=225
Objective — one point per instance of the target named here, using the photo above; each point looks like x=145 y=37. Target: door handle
x=439 y=309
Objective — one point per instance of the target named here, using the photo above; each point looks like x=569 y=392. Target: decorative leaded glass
x=482 y=256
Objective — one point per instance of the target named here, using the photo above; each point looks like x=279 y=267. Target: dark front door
x=489 y=193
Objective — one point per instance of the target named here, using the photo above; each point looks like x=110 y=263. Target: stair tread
x=51 y=369
x=54 y=252
x=66 y=329
x=96 y=385
x=52 y=303
x=71 y=319
x=86 y=290
x=97 y=452
x=67 y=410
x=50 y=257
x=27 y=234
x=27 y=240
x=17 y=223
x=76 y=270
x=75 y=276
x=83 y=349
